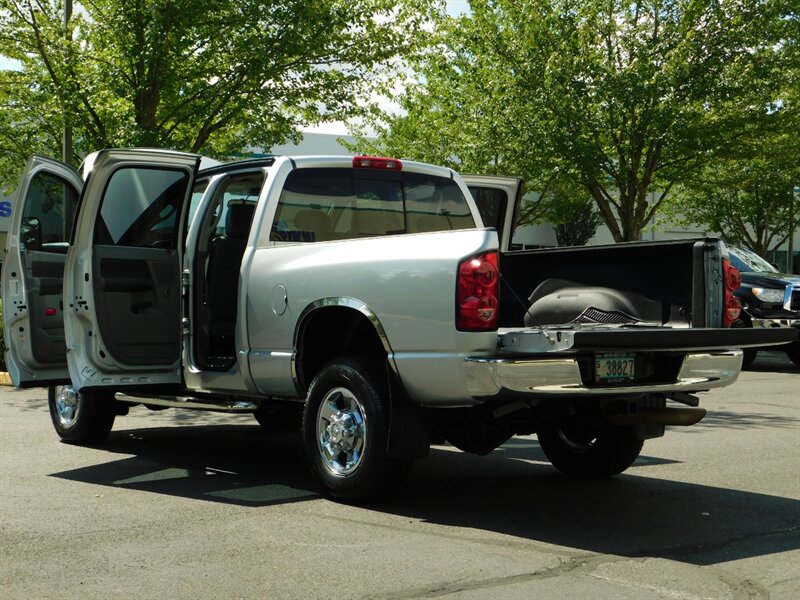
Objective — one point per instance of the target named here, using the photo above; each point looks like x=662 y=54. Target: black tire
x=793 y=352
x=748 y=356
x=80 y=418
x=579 y=448
x=280 y=417
x=345 y=431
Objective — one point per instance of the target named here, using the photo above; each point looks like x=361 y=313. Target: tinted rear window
x=333 y=204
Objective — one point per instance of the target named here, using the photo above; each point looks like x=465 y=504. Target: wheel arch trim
x=337 y=302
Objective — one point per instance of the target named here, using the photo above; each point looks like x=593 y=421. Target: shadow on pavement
x=235 y=464
x=726 y=419
x=628 y=515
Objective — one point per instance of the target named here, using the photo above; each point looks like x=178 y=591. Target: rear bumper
x=489 y=378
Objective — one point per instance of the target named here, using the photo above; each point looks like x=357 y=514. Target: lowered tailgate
x=579 y=362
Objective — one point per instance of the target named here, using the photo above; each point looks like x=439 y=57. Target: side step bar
x=226 y=405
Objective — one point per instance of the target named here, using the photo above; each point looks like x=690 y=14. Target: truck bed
x=671 y=272
x=679 y=275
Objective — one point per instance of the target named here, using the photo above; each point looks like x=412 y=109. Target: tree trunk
x=620 y=216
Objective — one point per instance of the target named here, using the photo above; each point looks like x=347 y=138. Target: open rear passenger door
x=497 y=199
x=33 y=272
x=123 y=285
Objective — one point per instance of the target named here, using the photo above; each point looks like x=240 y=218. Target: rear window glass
x=140 y=207
x=491 y=203
x=333 y=204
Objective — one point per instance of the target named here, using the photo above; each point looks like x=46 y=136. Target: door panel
x=33 y=273
x=139 y=316
x=124 y=322
x=46 y=276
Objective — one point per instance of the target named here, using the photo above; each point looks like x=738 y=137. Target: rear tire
x=78 y=417
x=585 y=450
x=346 y=429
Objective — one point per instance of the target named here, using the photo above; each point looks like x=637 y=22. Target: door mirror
x=30 y=233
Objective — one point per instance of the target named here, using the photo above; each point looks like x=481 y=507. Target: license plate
x=614 y=368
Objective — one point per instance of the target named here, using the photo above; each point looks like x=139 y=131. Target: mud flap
x=409 y=425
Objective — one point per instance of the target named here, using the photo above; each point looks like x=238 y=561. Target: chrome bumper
x=492 y=377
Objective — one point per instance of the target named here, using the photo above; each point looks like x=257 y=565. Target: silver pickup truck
x=371 y=302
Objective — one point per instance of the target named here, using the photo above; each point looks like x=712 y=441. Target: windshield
x=749 y=261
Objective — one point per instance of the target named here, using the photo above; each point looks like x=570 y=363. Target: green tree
x=575 y=222
x=211 y=75
x=745 y=193
x=567 y=207
x=624 y=97
x=747 y=199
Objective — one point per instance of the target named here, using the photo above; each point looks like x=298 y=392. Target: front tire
x=748 y=356
x=78 y=417
x=793 y=352
x=280 y=417
x=586 y=450
x=346 y=429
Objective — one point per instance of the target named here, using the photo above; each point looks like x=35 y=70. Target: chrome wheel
x=67 y=405
x=346 y=430
x=80 y=417
x=341 y=431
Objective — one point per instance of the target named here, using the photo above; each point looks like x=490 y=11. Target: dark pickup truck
x=769 y=298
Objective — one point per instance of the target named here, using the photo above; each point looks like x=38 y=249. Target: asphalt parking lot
x=197 y=505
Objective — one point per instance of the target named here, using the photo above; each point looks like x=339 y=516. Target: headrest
x=238 y=220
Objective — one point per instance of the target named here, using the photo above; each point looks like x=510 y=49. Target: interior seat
x=224 y=261
x=316 y=222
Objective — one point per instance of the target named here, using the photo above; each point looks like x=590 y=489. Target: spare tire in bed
x=561 y=302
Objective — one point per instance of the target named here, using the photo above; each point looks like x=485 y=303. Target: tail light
x=732 y=308
x=477 y=293
x=377 y=162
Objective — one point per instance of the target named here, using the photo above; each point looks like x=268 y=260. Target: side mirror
x=30 y=234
